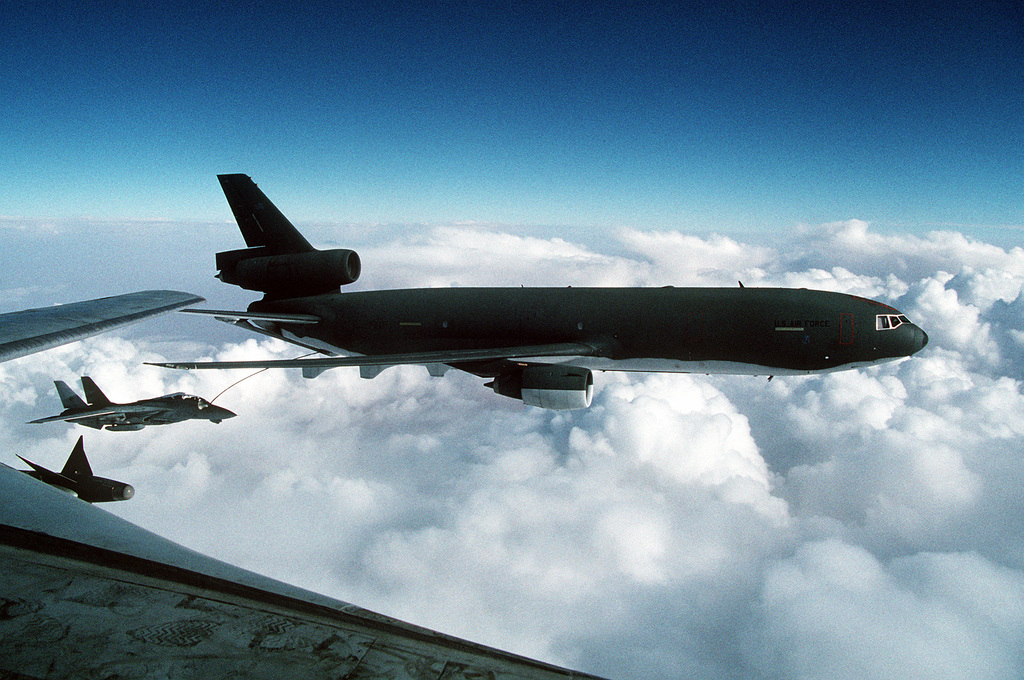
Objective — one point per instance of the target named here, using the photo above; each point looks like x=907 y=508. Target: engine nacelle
x=291 y=274
x=108 y=490
x=554 y=387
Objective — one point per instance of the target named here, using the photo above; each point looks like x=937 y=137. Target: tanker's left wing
x=34 y=330
x=453 y=356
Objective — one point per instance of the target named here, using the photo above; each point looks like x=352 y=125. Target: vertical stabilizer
x=93 y=394
x=77 y=466
x=68 y=397
x=279 y=261
x=259 y=220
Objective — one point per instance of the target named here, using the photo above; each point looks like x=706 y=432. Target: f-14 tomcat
x=97 y=411
x=540 y=345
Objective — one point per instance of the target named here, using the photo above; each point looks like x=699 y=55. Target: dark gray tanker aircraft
x=97 y=411
x=77 y=479
x=540 y=345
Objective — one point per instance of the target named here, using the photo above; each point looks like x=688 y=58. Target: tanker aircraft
x=539 y=345
x=97 y=411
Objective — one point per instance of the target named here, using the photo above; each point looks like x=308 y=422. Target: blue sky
x=684 y=526
x=706 y=118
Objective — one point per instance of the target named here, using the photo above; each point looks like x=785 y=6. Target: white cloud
x=835 y=611
x=858 y=524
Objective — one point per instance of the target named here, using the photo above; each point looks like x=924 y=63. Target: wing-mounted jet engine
x=554 y=387
x=77 y=479
x=279 y=261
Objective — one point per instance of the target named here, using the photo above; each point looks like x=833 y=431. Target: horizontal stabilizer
x=565 y=349
x=232 y=317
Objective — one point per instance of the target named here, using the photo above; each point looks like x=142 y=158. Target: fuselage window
x=886 y=322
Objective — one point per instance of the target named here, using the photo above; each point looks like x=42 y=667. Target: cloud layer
x=861 y=524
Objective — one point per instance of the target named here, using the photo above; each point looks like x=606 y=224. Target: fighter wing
x=34 y=330
x=106 y=415
x=454 y=356
x=63 y=416
x=88 y=594
x=49 y=476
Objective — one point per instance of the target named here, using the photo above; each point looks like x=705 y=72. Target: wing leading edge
x=562 y=349
x=89 y=594
x=34 y=330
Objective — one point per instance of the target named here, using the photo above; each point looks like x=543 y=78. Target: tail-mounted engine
x=290 y=274
x=553 y=387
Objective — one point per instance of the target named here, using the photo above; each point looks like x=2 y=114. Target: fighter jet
x=77 y=479
x=97 y=411
x=539 y=345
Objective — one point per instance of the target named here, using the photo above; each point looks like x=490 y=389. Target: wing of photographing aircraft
x=86 y=594
x=34 y=330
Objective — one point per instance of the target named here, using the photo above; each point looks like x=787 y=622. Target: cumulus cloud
x=834 y=610
x=858 y=524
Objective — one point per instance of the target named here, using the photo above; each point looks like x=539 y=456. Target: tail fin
x=93 y=394
x=259 y=220
x=77 y=466
x=279 y=261
x=68 y=397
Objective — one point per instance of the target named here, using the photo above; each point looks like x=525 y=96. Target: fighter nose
x=221 y=414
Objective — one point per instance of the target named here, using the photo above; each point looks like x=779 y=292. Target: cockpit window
x=886 y=322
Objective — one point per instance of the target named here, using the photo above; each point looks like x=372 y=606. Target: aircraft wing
x=562 y=349
x=231 y=317
x=49 y=476
x=100 y=414
x=69 y=417
x=34 y=330
x=87 y=594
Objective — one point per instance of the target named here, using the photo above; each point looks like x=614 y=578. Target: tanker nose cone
x=127 y=492
x=920 y=340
